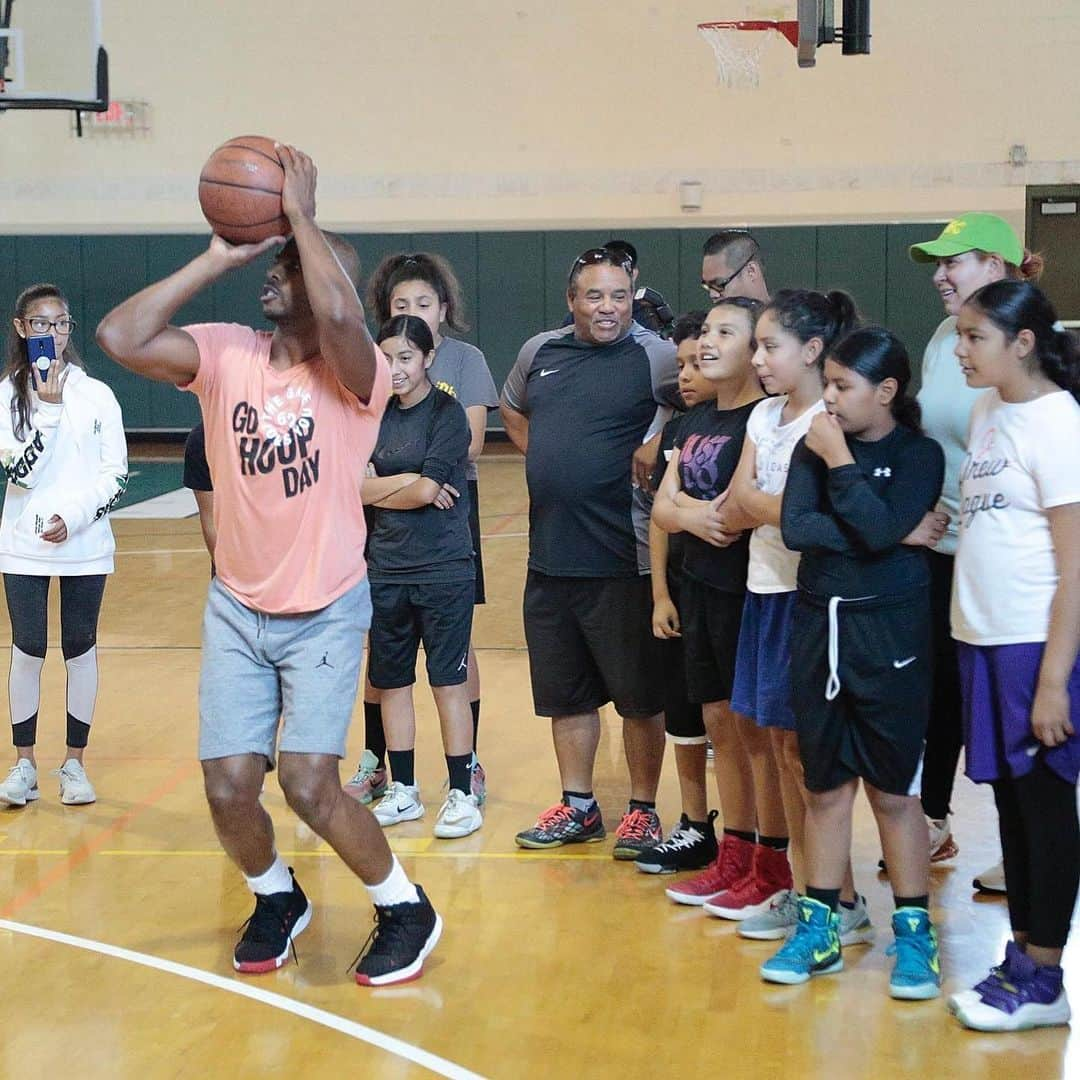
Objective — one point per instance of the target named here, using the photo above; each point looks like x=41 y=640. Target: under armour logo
x=883 y=470
x=324 y=663
x=97 y=427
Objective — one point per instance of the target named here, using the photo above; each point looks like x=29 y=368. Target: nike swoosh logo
x=898 y=664
x=821 y=957
x=547 y=371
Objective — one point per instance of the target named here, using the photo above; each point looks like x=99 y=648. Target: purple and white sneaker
x=1014 y=997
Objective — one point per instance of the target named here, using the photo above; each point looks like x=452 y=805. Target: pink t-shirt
x=287 y=451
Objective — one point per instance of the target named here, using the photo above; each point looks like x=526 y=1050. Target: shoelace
x=362 y=775
x=389 y=928
x=266 y=917
x=635 y=826
x=559 y=814
x=801 y=946
x=909 y=951
x=681 y=838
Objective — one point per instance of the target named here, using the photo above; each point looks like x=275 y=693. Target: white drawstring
x=832 y=683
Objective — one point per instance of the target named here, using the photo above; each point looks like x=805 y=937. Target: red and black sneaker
x=397 y=947
x=732 y=864
x=563 y=824
x=268 y=935
x=638 y=831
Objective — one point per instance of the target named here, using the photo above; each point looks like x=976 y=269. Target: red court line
x=508 y=520
x=95 y=844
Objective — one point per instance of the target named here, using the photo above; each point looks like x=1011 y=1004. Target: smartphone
x=41 y=349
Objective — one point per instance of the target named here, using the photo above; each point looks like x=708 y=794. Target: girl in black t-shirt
x=420 y=566
x=689 y=501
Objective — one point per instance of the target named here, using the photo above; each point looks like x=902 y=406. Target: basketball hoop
x=738 y=55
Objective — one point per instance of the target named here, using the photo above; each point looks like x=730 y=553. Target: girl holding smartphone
x=65 y=457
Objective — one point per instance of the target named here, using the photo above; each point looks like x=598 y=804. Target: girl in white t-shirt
x=972 y=250
x=794 y=333
x=1016 y=618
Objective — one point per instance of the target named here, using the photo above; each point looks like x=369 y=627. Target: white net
x=738 y=50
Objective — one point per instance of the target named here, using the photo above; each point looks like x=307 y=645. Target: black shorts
x=710 y=627
x=875 y=726
x=590 y=642
x=439 y=615
x=682 y=719
x=474 y=529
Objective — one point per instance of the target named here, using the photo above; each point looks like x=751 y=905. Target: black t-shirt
x=196 y=470
x=589 y=408
x=709 y=444
x=676 y=541
x=427 y=544
x=849 y=522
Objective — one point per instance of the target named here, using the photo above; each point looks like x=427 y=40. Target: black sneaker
x=689 y=847
x=269 y=933
x=395 y=950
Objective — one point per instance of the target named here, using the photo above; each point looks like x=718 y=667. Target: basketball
x=240 y=190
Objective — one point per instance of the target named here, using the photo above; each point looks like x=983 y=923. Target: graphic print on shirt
x=981 y=464
x=698 y=464
x=278 y=436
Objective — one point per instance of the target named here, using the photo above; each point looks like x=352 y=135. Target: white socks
x=396 y=889
x=276 y=879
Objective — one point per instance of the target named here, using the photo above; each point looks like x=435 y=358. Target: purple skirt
x=998 y=683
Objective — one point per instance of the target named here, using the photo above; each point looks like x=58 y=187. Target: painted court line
x=431 y=1062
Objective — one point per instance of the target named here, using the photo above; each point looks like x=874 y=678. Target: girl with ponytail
x=973 y=250
x=794 y=333
x=1016 y=618
x=859 y=489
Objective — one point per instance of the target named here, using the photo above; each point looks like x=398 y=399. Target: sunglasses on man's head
x=600 y=257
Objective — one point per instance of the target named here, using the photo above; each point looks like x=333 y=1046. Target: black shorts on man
x=586 y=646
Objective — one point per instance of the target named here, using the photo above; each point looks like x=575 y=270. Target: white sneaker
x=992 y=880
x=20 y=785
x=458 y=816
x=75 y=788
x=942 y=844
x=855 y=925
x=400 y=803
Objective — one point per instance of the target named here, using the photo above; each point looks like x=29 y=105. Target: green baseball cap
x=972 y=232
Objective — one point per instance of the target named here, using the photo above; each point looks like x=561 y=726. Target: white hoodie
x=72 y=463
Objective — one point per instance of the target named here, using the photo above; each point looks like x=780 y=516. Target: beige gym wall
x=446 y=114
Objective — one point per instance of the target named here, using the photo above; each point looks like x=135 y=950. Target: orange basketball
x=240 y=190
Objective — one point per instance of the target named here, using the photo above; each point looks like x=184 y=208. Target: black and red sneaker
x=268 y=935
x=396 y=948
x=563 y=824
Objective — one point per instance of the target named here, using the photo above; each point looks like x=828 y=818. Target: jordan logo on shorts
x=324 y=663
x=464 y=665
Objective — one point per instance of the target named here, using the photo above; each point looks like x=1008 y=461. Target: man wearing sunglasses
x=578 y=403
x=731 y=265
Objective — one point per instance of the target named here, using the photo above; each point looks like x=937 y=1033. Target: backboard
x=51 y=55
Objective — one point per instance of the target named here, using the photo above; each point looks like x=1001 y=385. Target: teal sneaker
x=813 y=949
x=917 y=974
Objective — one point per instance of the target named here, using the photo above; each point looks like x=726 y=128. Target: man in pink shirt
x=291 y=418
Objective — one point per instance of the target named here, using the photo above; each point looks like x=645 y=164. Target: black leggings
x=944 y=733
x=28 y=607
x=1040 y=839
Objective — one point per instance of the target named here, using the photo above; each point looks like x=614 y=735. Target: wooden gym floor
x=117 y=920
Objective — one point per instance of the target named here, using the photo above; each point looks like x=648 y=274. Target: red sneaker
x=769 y=878
x=732 y=863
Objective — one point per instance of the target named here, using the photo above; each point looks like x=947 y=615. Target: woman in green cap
x=972 y=251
